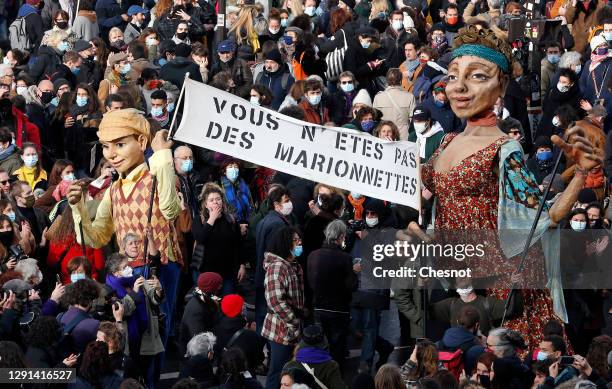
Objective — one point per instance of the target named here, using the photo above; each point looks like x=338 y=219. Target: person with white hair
x=7 y=79
x=53 y=46
x=199 y=363
x=30 y=272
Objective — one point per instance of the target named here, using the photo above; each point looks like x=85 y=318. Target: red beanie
x=231 y=305
x=209 y=282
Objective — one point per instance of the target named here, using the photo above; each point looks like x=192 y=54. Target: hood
x=26 y=10
x=31 y=96
x=270 y=259
x=91 y=15
x=456 y=336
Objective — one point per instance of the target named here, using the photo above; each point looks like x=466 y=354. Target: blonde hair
x=245 y=20
x=54 y=37
x=378 y=6
x=296 y=6
x=115 y=30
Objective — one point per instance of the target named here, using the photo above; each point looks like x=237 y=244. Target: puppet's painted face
x=474 y=84
x=124 y=154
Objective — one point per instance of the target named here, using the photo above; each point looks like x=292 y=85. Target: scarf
x=545 y=166
x=28 y=174
x=357 y=206
x=596 y=60
x=411 y=66
x=487 y=119
x=348 y=105
x=312 y=355
x=435 y=128
x=162 y=120
x=4 y=154
x=238 y=197
x=139 y=321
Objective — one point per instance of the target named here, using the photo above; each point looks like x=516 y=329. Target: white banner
x=340 y=157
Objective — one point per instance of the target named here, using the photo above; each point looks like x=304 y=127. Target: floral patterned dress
x=467 y=199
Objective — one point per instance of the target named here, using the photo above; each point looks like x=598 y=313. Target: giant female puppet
x=481 y=182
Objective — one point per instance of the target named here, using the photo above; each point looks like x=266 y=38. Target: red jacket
x=66 y=251
x=25 y=131
x=313 y=116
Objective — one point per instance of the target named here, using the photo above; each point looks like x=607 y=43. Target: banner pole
x=176 y=108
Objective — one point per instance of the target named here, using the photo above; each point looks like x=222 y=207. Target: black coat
x=222 y=246
x=554 y=100
x=225 y=330
x=393 y=43
x=331 y=277
x=198 y=316
x=515 y=103
x=338 y=105
x=313 y=231
x=46 y=64
x=43 y=357
x=175 y=70
x=200 y=369
x=34 y=30
x=356 y=61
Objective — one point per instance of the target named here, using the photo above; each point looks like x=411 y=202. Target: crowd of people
x=120 y=249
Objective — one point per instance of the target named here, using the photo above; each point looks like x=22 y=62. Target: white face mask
x=371 y=221
x=420 y=127
x=287 y=208
x=562 y=88
x=555 y=121
x=578 y=225
x=464 y=292
x=127 y=272
x=21 y=90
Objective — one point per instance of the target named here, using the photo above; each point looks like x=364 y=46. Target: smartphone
x=566 y=360
x=57 y=278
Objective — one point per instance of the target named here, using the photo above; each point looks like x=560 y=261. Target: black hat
x=81 y=45
x=367 y=31
x=183 y=50
x=586 y=196
x=59 y=83
x=313 y=336
x=543 y=141
x=275 y=55
x=421 y=113
x=349 y=3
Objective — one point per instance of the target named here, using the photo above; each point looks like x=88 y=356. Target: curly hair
x=485 y=37
x=597 y=355
x=96 y=363
x=427 y=361
x=208 y=189
x=112 y=336
x=43 y=332
x=83 y=293
x=11 y=355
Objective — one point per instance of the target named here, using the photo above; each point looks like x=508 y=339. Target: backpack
x=452 y=361
x=65 y=344
x=298 y=70
x=18 y=36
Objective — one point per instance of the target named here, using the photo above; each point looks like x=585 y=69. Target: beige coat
x=396 y=105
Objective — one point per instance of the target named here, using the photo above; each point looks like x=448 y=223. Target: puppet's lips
x=461 y=102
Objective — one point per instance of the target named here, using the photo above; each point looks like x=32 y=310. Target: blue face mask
x=553 y=58
x=348 y=88
x=170 y=107
x=365 y=44
x=355 y=196
x=232 y=173
x=162 y=61
x=30 y=160
x=74 y=277
x=544 y=155
x=75 y=71
x=11 y=215
x=81 y=101
x=438 y=103
x=608 y=35
x=126 y=68
x=314 y=100
x=64 y=46
x=542 y=356
x=368 y=125
x=157 y=111
x=284 y=22
x=187 y=165
x=54 y=102
x=297 y=251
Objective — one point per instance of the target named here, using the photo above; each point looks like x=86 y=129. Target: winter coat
x=356 y=61
x=457 y=338
x=46 y=64
x=198 y=316
x=337 y=40
x=200 y=369
x=315 y=116
x=445 y=116
x=131 y=33
x=86 y=25
x=175 y=70
x=240 y=71
x=271 y=223
x=46 y=357
x=331 y=277
x=341 y=107
x=327 y=372
x=222 y=246
x=515 y=103
x=547 y=70
x=25 y=131
x=84 y=332
x=393 y=41
x=166 y=25
x=397 y=106
x=34 y=25
x=582 y=20
x=279 y=82
x=109 y=13
x=554 y=100
x=11 y=162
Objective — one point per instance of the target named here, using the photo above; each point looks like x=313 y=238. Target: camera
x=356 y=225
x=16 y=251
x=103 y=307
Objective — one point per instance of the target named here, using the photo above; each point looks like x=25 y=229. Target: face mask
x=484 y=380
x=126 y=68
x=170 y=107
x=314 y=99
x=21 y=90
x=127 y=272
x=54 y=102
x=150 y=41
x=29 y=201
x=368 y=125
x=365 y=44
x=608 y=35
x=371 y=221
x=553 y=58
x=438 y=103
x=68 y=177
x=297 y=251
x=452 y=20
x=61 y=25
x=274 y=31
x=118 y=44
x=578 y=68
x=75 y=71
x=562 y=88
x=310 y=11
x=287 y=208
x=254 y=100
x=398 y=25
x=578 y=225
x=181 y=35
x=46 y=97
x=356 y=196
x=63 y=46
x=284 y=22
x=30 y=160
x=542 y=356
x=420 y=127
x=544 y=155
x=157 y=111
x=601 y=51
x=232 y=173
x=74 y=277
x=464 y=292
x=6 y=61
x=556 y=122
x=162 y=61
x=187 y=165
x=81 y=101
x=11 y=215
x=347 y=88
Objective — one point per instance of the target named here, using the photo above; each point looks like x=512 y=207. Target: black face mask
x=6 y=238
x=46 y=97
x=181 y=35
x=485 y=380
x=61 y=25
x=119 y=45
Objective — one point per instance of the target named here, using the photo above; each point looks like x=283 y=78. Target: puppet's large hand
x=579 y=148
x=160 y=141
